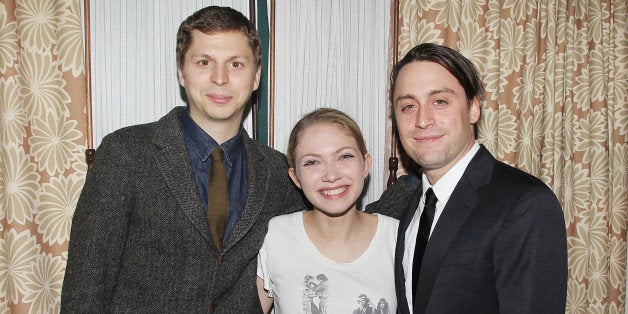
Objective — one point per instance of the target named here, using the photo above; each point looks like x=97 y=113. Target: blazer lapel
x=174 y=166
x=183 y=188
x=461 y=203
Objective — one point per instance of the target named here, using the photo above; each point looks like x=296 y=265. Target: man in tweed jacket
x=140 y=239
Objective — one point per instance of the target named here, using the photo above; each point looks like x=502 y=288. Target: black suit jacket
x=498 y=247
x=140 y=241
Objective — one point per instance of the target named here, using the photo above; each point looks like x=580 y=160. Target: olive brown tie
x=217 y=197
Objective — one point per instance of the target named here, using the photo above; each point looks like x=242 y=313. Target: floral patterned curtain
x=555 y=72
x=42 y=144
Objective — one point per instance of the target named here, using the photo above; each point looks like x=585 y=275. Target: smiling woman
x=334 y=241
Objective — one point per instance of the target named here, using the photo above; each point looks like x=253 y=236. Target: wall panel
x=334 y=54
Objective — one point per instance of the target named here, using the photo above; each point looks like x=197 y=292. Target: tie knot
x=430 y=198
x=217 y=154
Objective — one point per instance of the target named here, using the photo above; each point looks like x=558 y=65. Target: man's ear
x=258 y=76
x=293 y=176
x=474 y=110
x=181 y=77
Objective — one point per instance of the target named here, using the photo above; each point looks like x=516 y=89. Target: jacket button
x=212 y=308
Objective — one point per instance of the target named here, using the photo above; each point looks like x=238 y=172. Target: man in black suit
x=497 y=239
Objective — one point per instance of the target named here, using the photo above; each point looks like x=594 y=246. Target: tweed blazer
x=140 y=240
x=499 y=246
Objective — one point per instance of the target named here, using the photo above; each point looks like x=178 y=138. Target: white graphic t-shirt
x=302 y=280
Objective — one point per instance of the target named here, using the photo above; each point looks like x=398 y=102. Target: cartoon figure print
x=315 y=294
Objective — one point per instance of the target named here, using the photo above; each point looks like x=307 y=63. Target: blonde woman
x=319 y=260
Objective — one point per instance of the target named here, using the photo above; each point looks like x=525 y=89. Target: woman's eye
x=309 y=163
x=346 y=156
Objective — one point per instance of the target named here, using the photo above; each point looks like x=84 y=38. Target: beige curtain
x=555 y=72
x=42 y=144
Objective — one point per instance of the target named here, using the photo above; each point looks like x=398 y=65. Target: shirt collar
x=444 y=187
x=203 y=144
x=233 y=147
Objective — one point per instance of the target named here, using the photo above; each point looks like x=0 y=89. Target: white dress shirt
x=443 y=189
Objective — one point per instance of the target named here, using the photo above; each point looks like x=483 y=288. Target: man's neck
x=221 y=131
x=433 y=175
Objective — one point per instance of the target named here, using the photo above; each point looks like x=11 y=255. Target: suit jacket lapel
x=461 y=203
x=458 y=208
x=174 y=166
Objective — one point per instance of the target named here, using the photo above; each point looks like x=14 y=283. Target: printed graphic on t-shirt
x=316 y=295
x=366 y=306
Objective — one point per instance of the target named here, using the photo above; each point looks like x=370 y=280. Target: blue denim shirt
x=200 y=146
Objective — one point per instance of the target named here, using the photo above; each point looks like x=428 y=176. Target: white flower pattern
x=41 y=173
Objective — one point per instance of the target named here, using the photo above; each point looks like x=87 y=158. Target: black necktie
x=217 y=198
x=425 y=224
